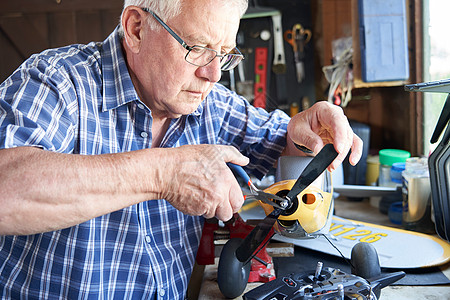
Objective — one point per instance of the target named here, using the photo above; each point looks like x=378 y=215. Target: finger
x=355 y=154
x=231 y=154
x=236 y=197
x=311 y=141
x=209 y=215
x=335 y=164
x=346 y=146
x=227 y=194
x=357 y=149
x=224 y=212
x=339 y=129
x=301 y=133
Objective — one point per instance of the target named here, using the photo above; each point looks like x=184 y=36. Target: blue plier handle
x=271 y=199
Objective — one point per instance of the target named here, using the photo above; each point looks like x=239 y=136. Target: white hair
x=167 y=9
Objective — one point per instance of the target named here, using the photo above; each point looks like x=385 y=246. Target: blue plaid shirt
x=80 y=99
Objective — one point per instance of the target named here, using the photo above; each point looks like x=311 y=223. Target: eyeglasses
x=202 y=56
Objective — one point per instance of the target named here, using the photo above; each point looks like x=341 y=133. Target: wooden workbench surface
x=356 y=210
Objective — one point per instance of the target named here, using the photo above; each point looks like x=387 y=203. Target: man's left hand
x=321 y=124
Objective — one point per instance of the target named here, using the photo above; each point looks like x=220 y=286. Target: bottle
x=373 y=170
x=293 y=110
x=416 y=191
x=396 y=172
x=387 y=158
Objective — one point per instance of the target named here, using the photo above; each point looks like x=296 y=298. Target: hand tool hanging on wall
x=279 y=63
x=260 y=87
x=298 y=37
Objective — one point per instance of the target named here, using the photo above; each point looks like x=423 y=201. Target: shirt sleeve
x=37 y=107
x=258 y=134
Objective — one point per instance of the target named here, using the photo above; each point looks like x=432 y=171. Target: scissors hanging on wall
x=298 y=37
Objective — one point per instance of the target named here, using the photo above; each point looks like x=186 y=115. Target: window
x=436 y=62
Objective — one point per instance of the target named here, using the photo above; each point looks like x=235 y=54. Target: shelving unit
x=337 y=19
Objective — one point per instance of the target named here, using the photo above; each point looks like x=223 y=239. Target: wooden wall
x=30 y=26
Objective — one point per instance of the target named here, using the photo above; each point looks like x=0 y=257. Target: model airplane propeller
x=234 y=264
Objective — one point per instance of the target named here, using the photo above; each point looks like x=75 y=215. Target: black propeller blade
x=254 y=239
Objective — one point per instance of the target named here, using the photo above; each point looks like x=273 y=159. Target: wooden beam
x=40 y=6
x=416 y=99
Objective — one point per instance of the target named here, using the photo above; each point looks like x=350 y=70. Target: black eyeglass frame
x=190 y=48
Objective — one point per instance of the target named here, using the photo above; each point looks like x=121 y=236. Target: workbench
x=356 y=210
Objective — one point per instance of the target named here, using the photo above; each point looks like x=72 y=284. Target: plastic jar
x=373 y=170
x=416 y=192
x=387 y=158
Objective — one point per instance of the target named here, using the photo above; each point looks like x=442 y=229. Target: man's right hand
x=197 y=180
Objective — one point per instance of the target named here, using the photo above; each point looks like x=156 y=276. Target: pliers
x=257 y=194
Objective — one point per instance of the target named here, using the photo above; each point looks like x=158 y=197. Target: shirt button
x=144 y=134
x=162 y=293
x=148 y=239
x=141 y=106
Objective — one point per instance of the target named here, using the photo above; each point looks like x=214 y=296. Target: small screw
x=318 y=270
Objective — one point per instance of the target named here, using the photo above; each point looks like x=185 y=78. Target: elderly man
x=112 y=153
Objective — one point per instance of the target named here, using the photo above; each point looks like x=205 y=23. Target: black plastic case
x=439 y=160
